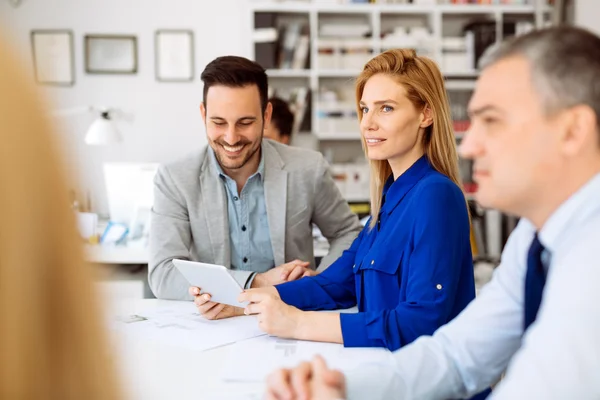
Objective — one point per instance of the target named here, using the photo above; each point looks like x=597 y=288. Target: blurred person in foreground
x=52 y=343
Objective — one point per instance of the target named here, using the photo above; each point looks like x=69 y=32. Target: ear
x=268 y=114
x=203 y=112
x=581 y=130
x=426 y=117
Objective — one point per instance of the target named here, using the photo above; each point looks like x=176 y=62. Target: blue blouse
x=409 y=275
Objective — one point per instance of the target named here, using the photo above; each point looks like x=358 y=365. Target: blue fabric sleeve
x=332 y=289
x=441 y=250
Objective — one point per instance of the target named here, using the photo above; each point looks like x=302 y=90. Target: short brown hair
x=234 y=71
x=282 y=116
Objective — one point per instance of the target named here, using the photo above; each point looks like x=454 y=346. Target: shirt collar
x=573 y=211
x=395 y=190
x=261 y=164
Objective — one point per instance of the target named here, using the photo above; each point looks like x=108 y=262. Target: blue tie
x=534 y=281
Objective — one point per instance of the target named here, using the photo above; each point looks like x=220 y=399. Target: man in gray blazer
x=244 y=202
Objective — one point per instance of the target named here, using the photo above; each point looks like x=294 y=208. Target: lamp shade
x=103 y=132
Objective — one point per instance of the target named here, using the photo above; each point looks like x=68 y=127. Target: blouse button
x=372 y=262
x=438 y=287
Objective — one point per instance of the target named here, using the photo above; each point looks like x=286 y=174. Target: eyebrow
x=478 y=111
x=247 y=117
x=378 y=102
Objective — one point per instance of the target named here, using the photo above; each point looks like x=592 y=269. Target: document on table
x=254 y=359
x=179 y=324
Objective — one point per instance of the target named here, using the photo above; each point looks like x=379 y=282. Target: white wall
x=587 y=14
x=167 y=123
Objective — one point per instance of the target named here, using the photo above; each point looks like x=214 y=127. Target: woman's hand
x=274 y=316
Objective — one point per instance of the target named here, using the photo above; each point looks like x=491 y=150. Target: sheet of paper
x=179 y=324
x=254 y=359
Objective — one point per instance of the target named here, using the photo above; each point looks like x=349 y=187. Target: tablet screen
x=212 y=279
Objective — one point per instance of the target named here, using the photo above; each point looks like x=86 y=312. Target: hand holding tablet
x=213 y=279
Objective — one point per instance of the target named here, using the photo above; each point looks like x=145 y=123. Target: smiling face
x=234 y=124
x=391 y=125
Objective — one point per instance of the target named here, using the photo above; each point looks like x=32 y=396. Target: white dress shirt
x=558 y=357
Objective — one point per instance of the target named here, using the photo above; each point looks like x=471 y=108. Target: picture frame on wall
x=174 y=55
x=53 y=57
x=111 y=54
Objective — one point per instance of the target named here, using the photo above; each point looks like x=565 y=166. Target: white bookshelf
x=349 y=8
x=288 y=73
x=438 y=18
x=340 y=142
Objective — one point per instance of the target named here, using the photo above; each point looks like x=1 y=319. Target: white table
x=155 y=371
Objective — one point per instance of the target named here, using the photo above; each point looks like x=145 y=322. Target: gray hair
x=565 y=65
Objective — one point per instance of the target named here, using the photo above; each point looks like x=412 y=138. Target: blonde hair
x=52 y=341
x=424 y=85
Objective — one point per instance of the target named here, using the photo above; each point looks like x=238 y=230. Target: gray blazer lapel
x=275 y=181
x=214 y=204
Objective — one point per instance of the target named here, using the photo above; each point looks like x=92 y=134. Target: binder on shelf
x=265 y=39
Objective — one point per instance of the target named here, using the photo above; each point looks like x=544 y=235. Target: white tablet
x=212 y=279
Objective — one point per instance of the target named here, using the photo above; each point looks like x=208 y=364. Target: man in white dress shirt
x=535 y=142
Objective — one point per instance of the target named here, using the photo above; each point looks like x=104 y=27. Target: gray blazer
x=189 y=216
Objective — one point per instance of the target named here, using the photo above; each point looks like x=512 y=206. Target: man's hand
x=284 y=273
x=307 y=381
x=274 y=316
x=211 y=310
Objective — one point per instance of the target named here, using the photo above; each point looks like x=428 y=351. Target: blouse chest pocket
x=386 y=261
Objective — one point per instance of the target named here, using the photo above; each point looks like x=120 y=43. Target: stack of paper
x=254 y=359
x=179 y=324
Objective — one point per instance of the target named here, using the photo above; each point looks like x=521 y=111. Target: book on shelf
x=278 y=44
x=294 y=46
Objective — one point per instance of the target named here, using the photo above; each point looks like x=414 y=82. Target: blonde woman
x=410 y=270
x=52 y=344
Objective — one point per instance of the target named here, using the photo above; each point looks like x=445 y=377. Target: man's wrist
x=258 y=281
x=250 y=280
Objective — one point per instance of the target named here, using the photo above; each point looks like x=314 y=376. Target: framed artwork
x=174 y=55
x=111 y=54
x=53 y=58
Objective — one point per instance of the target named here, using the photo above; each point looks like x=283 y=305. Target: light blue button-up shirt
x=557 y=358
x=249 y=237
